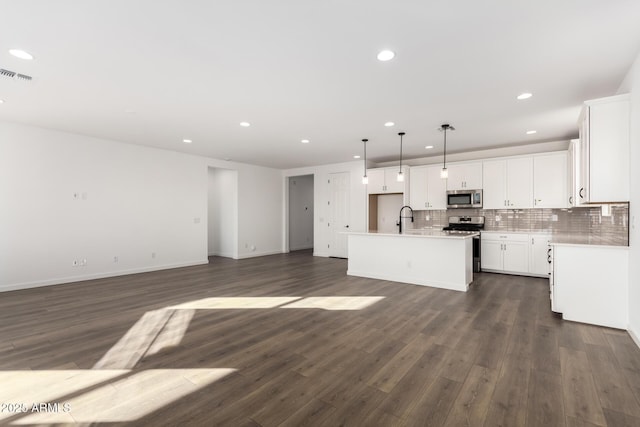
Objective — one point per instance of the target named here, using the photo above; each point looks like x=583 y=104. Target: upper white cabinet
x=508 y=183
x=465 y=176
x=603 y=175
x=427 y=191
x=550 y=180
x=384 y=180
x=573 y=167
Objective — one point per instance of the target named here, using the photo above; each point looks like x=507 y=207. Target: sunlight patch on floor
x=154 y=331
x=99 y=395
x=335 y=303
x=234 y=303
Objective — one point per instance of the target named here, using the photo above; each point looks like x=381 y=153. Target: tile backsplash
x=611 y=228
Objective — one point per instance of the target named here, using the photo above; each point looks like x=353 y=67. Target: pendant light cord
x=445 y=148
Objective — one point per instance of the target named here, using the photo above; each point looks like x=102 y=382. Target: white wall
x=260 y=209
x=223 y=212
x=300 y=212
x=67 y=197
x=632 y=85
x=357 y=208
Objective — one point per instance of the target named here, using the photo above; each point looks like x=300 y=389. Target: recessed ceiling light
x=386 y=55
x=531 y=132
x=356 y=157
x=389 y=124
x=525 y=95
x=429 y=147
x=19 y=53
x=187 y=141
x=304 y=141
x=245 y=124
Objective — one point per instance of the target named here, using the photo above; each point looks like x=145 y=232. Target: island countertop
x=419 y=233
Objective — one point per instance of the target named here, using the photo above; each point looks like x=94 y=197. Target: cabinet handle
x=580 y=193
x=570 y=200
x=532 y=241
x=505 y=203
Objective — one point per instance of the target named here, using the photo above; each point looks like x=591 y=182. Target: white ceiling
x=301 y=69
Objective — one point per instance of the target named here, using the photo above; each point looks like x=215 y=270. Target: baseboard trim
x=257 y=254
x=634 y=337
x=80 y=278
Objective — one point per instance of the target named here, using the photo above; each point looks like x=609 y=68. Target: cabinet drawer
x=513 y=237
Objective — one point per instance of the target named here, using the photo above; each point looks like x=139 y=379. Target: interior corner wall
x=223 y=213
x=633 y=80
x=109 y=208
x=321 y=212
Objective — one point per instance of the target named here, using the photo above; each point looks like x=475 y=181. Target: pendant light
x=444 y=173
x=365 y=178
x=400 y=174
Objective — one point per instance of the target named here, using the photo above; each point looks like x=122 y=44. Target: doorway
x=301 y=212
x=339 y=199
x=222 y=216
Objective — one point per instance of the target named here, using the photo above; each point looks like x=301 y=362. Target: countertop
x=420 y=233
x=583 y=240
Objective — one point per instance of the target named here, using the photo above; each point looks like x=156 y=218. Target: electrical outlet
x=83 y=262
x=153 y=254
x=74 y=263
x=115 y=259
x=196 y=220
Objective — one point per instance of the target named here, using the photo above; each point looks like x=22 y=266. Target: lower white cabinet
x=590 y=284
x=505 y=252
x=539 y=254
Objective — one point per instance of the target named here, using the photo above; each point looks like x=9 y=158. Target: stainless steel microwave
x=457 y=199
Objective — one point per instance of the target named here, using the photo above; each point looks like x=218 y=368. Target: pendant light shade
x=365 y=178
x=444 y=172
x=400 y=176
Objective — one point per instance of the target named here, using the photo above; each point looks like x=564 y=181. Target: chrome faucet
x=399 y=224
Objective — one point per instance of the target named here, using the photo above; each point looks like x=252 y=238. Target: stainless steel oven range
x=468 y=225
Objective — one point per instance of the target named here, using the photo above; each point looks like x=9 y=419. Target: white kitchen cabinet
x=508 y=183
x=550 y=180
x=436 y=189
x=604 y=150
x=427 y=191
x=539 y=254
x=504 y=253
x=384 y=180
x=465 y=176
x=590 y=284
x=573 y=168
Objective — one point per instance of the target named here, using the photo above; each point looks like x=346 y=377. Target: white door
x=494 y=192
x=339 y=198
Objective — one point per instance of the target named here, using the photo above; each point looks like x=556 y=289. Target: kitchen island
x=420 y=257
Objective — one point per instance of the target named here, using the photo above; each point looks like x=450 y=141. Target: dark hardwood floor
x=252 y=343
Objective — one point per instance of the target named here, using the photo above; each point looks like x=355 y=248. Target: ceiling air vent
x=13 y=75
